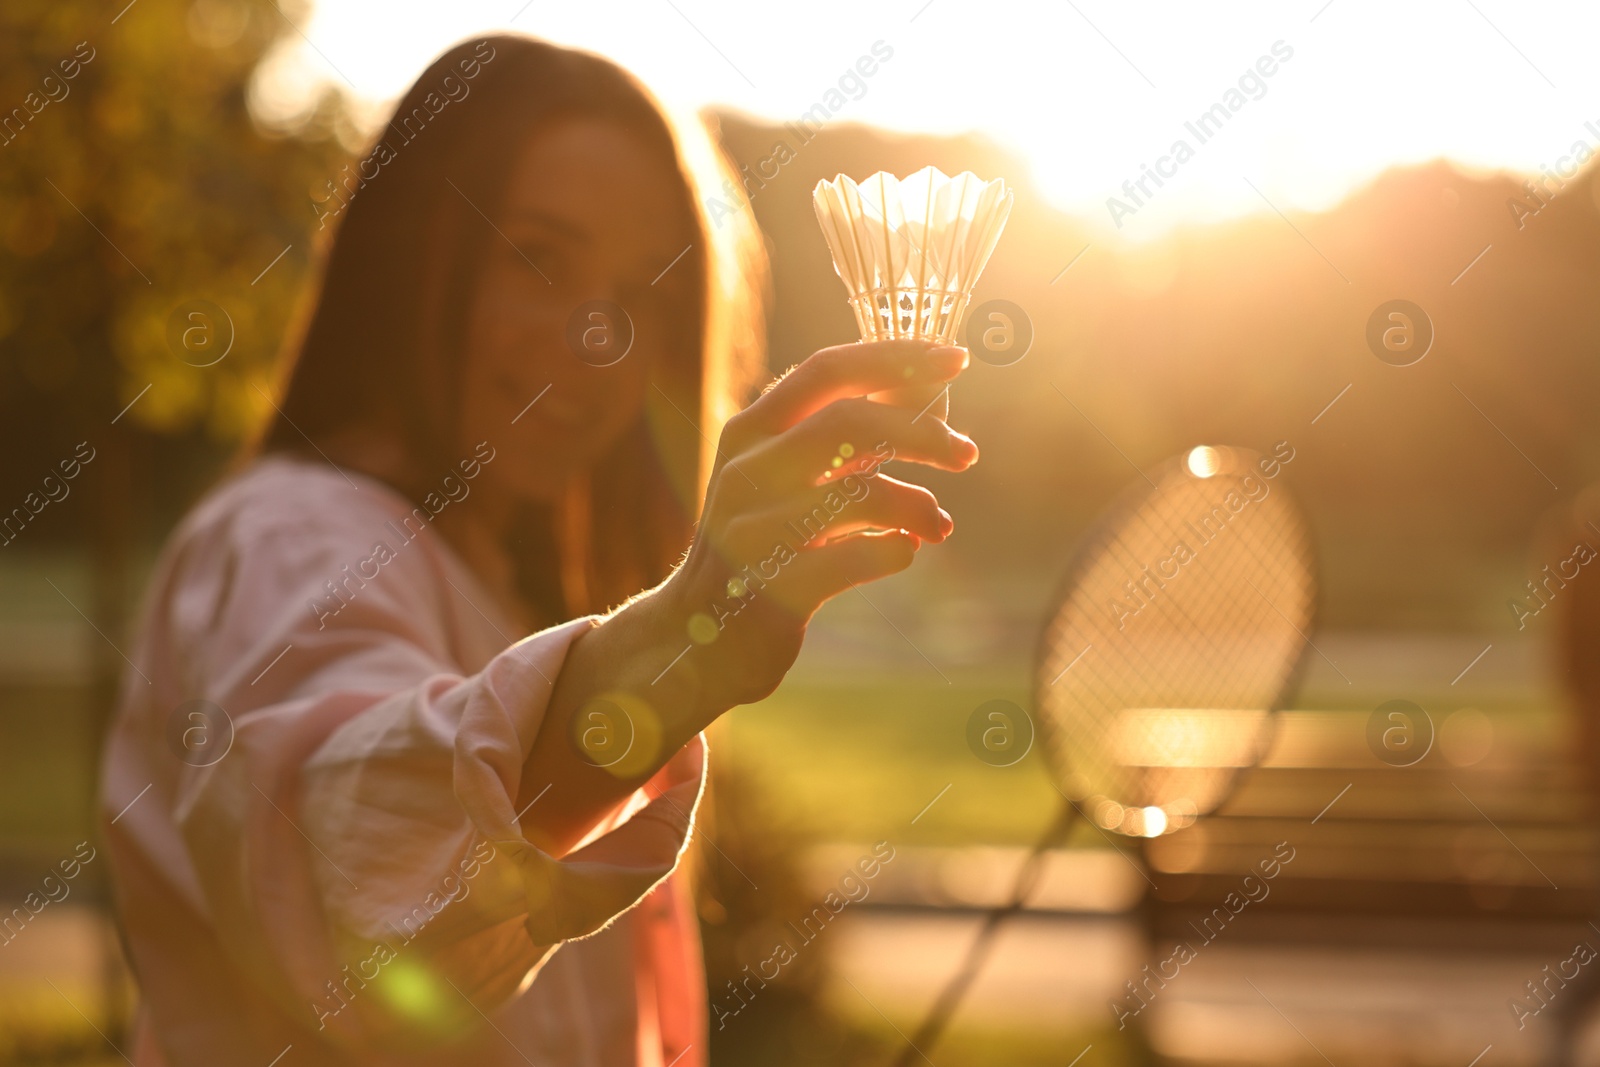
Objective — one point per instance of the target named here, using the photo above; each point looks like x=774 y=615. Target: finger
x=853 y=435
x=921 y=399
x=890 y=504
x=821 y=573
x=853 y=370
x=830 y=512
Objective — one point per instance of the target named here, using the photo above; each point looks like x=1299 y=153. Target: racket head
x=1178 y=633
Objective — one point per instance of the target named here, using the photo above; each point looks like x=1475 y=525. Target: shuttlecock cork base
x=910 y=250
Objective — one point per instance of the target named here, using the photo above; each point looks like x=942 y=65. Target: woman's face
x=578 y=300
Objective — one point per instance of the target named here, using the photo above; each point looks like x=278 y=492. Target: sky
x=1319 y=96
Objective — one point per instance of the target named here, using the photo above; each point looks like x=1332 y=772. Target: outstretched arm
x=796 y=512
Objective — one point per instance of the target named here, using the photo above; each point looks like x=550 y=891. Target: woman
x=351 y=817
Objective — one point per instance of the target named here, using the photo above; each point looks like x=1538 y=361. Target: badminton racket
x=1179 y=632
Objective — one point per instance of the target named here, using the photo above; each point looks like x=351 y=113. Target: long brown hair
x=403 y=235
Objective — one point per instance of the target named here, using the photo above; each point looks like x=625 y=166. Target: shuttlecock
x=910 y=249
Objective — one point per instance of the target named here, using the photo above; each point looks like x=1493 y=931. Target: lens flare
x=1204 y=461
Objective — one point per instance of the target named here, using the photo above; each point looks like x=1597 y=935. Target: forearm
x=628 y=697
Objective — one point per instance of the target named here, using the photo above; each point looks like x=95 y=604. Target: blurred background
x=1438 y=154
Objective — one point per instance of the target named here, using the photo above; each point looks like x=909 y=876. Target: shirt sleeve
x=359 y=848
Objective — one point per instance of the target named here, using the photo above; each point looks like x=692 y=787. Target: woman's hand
x=797 y=511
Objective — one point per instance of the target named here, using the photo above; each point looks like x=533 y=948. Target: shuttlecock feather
x=910 y=250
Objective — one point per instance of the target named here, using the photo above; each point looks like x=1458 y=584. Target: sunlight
x=1138 y=118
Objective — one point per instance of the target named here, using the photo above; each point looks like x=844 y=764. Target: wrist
x=722 y=653
x=677 y=678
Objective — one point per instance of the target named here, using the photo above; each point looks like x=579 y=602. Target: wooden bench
x=1484 y=848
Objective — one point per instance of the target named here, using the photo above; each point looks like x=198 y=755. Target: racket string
x=1209 y=634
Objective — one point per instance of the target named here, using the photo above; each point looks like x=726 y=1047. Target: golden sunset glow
x=1138 y=117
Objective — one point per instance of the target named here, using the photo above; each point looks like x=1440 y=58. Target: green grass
x=975 y=1045
x=782 y=1031
x=858 y=761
